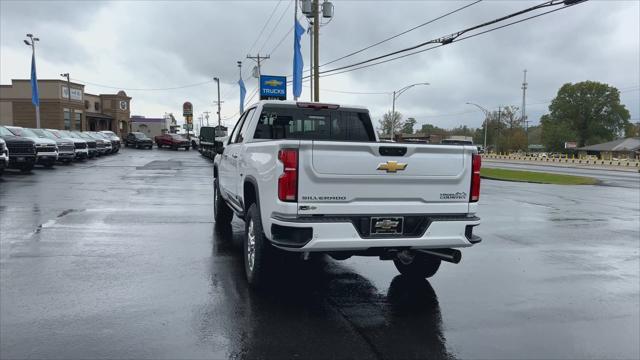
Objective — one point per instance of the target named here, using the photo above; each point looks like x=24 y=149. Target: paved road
x=119 y=258
x=607 y=177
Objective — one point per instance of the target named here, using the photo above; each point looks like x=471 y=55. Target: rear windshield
x=309 y=124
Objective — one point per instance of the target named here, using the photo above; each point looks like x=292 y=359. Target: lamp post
x=396 y=94
x=217 y=80
x=486 y=121
x=32 y=42
x=66 y=75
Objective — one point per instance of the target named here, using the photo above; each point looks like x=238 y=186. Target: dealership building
x=81 y=111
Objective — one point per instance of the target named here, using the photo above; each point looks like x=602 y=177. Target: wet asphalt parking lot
x=119 y=258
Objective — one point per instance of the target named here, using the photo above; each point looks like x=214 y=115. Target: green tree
x=390 y=124
x=588 y=112
x=632 y=130
x=432 y=129
x=407 y=127
x=555 y=133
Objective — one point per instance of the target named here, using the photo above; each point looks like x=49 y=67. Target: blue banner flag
x=35 y=97
x=243 y=93
x=297 y=60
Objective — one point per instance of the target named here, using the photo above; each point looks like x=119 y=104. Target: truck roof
x=289 y=103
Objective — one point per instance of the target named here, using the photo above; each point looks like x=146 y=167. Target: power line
x=265 y=25
x=400 y=34
x=143 y=89
x=282 y=40
x=276 y=26
x=355 y=66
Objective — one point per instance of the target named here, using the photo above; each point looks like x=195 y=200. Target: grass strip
x=535 y=177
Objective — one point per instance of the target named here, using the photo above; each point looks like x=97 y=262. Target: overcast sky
x=157 y=45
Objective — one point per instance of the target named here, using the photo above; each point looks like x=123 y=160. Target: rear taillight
x=288 y=181
x=476 y=163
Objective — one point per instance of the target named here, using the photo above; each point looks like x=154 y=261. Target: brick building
x=83 y=111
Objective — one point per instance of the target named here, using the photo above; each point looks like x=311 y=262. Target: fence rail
x=534 y=159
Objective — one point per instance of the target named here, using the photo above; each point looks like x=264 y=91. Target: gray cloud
x=163 y=44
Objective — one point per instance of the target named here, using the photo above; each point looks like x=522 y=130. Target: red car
x=175 y=141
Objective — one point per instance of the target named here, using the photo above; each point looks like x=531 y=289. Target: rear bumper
x=309 y=235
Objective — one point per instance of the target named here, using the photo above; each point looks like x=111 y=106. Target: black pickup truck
x=22 y=151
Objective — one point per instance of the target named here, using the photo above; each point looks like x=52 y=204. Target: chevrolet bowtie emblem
x=391 y=166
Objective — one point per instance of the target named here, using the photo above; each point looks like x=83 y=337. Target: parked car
x=107 y=146
x=138 y=140
x=4 y=156
x=66 y=149
x=22 y=151
x=174 y=141
x=80 y=146
x=92 y=144
x=115 y=140
x=46 y=149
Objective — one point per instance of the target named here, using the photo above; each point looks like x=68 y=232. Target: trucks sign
x=273 y=87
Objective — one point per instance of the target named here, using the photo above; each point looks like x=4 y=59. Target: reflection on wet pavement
x=120 y=258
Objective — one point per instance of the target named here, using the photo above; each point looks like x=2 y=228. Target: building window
x=86 y=104
x=67 y=119
x=96 y=105
x=78 y=121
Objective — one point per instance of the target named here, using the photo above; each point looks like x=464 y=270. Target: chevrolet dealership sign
x=273 y=87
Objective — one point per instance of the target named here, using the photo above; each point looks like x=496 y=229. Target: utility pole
x=66 y=75
x=257 y=58
x=32 y=43
x=316 y=48
x=525 y=123
x=499 y=122
x=311 y=59
x=218 y=81
x=206 y=116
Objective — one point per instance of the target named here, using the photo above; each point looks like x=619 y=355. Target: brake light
x=317 y=106
x=476 y=164
x=288 y=181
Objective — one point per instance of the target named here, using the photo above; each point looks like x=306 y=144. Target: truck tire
x=222 y=214
x=257 y=250
x=422 y=266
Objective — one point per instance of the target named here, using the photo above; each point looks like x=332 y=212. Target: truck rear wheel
x=222 y=214
x=258 y=252
x=420 y=266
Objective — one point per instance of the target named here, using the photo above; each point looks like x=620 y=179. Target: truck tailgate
x=383 y=178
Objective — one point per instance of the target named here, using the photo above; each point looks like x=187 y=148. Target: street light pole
x=486 y=121
x=239 y=74
x=217 y=80
x=66 y=75
x=396 y=94
x=32 y=43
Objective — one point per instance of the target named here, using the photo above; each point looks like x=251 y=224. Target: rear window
x=309 y=124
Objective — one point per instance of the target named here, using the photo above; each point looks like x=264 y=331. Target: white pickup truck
x=312 y=177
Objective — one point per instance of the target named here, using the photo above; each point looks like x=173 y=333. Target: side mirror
x=218 y=146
